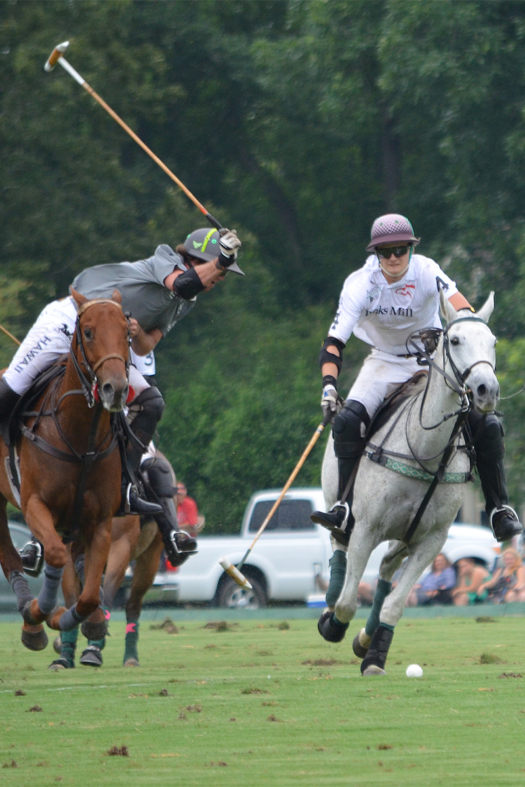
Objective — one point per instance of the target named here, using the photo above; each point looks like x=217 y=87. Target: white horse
x=386 y=502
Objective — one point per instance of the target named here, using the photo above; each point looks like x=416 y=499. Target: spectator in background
x=436 y=587
x=470 y=578
x=187 y=512
x=507 y=583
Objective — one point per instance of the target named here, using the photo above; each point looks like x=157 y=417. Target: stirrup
x=175 y=551
x=338 y=531
x=513 y=515
x=132 y=503
x=32 y=555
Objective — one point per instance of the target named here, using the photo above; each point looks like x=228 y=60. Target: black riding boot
x=348 y=445
x=487 y=434
x=8 y=400
x=150 y=406
x=158 y=479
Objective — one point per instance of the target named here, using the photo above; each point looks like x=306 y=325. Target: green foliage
x=295 y=122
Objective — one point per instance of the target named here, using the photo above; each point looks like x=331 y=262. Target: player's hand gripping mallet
x=234 y=571
x=57 y=56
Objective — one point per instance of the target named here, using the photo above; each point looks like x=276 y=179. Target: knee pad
x=150 y=400
x=160 y=476
x=347 y=429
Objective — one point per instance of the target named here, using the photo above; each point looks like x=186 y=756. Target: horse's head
x=470 y=351
x=101 y=346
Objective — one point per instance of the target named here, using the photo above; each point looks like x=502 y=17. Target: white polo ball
x=414 y=671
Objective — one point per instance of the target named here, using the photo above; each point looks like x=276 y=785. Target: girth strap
x=62 y=455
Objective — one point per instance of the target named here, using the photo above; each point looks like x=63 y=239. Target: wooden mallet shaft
x=57 y=56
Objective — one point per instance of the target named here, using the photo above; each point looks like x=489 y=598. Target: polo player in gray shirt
x=157 y=293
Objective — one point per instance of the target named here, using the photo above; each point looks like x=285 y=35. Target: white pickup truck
x=287 y=558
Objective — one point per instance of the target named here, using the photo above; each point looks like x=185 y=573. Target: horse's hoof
x=330 y=628
x=373 y=670
x=91 y=657
x=34 y=637
x=131 y=663
x=60 y=664
x=94 y=630
x=361 y=644
x=57 y=645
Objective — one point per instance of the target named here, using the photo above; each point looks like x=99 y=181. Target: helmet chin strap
x=396 y=275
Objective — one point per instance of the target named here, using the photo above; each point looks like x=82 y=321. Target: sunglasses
x=398 y=252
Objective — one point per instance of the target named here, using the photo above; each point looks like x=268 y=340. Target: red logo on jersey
x=408 y=289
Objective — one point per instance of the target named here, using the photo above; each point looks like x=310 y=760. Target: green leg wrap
x=69 y=645
x=382 y=590
x=337 y=565
x=100 y=643
x=132 y=638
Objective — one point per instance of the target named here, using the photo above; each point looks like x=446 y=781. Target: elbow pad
x=188 y=285
x=328 y=357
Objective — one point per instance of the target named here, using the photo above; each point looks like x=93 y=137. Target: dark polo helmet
x=391 y=228
x=204 y=245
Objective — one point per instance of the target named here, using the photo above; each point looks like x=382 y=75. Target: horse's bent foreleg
x=389 y=565
x=88 y=602
x=359 y=551
x=394 y=604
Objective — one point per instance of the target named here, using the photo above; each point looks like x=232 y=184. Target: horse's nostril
x=482 y=390
x=108 y=390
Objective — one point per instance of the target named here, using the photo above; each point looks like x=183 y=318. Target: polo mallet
x=234 y=571
x=57 y=56
x=4 y=330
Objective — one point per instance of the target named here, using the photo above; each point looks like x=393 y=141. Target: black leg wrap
x=330 y=628
x=21 y=590
x=378 y=650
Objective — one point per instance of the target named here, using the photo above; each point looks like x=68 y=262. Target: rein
x=457 y=384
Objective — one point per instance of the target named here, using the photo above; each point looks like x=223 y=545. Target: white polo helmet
x=391 y=228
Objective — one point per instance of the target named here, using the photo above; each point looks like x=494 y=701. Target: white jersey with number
x=384 y=315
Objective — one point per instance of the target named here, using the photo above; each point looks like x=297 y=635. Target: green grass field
x=265 y=704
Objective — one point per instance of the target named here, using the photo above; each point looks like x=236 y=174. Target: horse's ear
x=80 y=299
x=117 y=297
x=487 y=308
x=447 y=310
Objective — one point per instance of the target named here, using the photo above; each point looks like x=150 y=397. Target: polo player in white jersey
x=394 y=294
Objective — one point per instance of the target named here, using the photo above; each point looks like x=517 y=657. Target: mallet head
x=55 y=55
x=234 y=573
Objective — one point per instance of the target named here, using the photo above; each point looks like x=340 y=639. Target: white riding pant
x=48 y=339
x=380 y=374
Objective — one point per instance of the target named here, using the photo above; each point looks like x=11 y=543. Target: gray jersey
x=141 y=285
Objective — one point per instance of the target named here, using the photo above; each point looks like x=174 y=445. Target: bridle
x=89 y=383
x=457 y=383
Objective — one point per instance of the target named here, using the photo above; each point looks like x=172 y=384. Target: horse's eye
x=88 y=333
x=454 y=340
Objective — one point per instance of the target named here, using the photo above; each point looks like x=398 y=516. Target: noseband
x=89 y=385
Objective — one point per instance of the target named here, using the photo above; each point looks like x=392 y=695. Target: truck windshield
x=291 y=515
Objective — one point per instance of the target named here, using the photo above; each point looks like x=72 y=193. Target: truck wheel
x=231 y=596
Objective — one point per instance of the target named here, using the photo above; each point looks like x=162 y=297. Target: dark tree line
x=297 y=122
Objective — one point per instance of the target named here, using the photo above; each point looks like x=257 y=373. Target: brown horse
x=70 y=472
x=132 y=539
